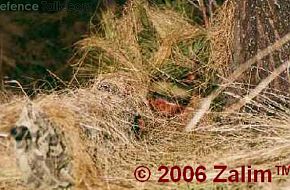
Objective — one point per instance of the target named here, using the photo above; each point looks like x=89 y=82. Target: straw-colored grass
x=97 y=120
x=221 y=39
x=103 y=115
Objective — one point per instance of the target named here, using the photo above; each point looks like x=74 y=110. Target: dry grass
x=221 y=39
x=98 y=119
x=120 y=48
x=103 y=120
x=205 y=104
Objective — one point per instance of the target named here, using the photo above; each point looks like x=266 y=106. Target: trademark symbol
x=283 y=170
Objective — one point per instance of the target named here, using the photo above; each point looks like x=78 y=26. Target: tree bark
x=259 y=23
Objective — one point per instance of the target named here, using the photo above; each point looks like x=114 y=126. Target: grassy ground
x=145 y=63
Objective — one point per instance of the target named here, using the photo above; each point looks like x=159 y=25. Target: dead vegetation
x=141 y=54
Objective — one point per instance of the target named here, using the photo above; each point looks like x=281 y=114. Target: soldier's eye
x=20 y=133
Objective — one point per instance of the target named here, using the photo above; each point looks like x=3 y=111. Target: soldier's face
x=20 y=133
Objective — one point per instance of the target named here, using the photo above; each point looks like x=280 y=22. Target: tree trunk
x=260 y=23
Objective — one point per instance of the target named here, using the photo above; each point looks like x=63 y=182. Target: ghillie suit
x=58 y=142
